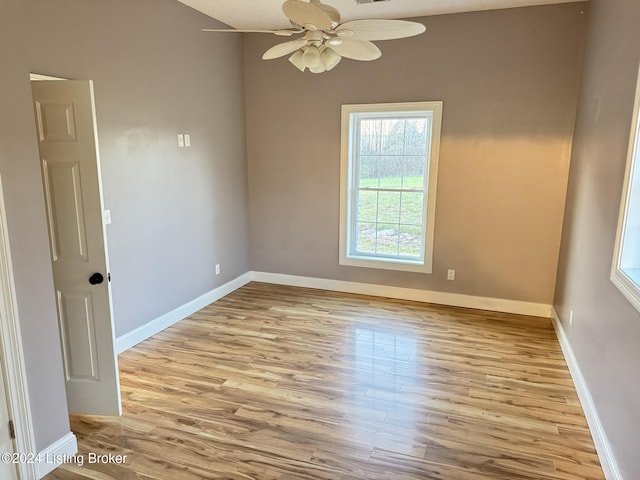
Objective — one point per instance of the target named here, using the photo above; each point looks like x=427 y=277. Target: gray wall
x=605 y=335
x=176 y=212
x=29 y=245
x=509 y=81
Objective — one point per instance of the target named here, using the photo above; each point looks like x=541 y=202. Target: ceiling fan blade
x=333 y=13
x=307 y=15
x=283 y=49
x=281 y=33
x=379 y=29
x=357 y=50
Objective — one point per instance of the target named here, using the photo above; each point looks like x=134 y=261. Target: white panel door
x=67 y=141
x=7 y=469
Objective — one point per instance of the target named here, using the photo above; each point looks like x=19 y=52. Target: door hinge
x=108 y=277
x=12 y=430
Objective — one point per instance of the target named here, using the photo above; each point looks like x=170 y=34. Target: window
x=625 y=273
x=389 y=167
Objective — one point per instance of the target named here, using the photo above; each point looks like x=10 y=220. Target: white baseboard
x=442 y=298
x=56 y=454
x=603 y=447
x=137 y=335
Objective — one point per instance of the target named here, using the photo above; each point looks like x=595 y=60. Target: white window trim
x=426 y=266
x=629 y=288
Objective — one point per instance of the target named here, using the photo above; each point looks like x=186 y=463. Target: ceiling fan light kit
x=316 y=59
x=326 y=41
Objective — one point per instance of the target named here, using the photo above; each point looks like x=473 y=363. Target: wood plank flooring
x=282 y=383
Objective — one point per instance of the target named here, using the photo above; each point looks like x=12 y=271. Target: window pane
x=410 y=241
x=413 y=168
x=367 y=206
x=416 y=137
x=630 y=253
x=370 y=137
x=389 y=207
x=412 y=208
x=390 y=172
x=387 y=239
x=366 y=237
x=392 y=140
x=368 y=171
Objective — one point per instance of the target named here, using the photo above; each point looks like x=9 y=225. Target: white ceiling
x=267 y=14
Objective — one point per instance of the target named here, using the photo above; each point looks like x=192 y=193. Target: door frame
x=14 y=370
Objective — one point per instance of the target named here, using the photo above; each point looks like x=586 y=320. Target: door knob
x=96 y=279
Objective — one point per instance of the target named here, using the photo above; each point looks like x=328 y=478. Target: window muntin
x=389 y=168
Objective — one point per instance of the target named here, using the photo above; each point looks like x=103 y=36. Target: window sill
x=387 y=264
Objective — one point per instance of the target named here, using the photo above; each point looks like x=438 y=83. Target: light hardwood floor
x=285 y=383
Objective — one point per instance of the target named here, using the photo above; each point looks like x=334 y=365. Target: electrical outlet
x=107 y=217
x=180 y=140
x=451 y=274
x=570 y=318
x=217 y=269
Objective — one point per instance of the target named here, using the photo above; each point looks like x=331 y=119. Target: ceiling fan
x=325 y=41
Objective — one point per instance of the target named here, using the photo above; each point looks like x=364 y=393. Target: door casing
x=12 y=361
